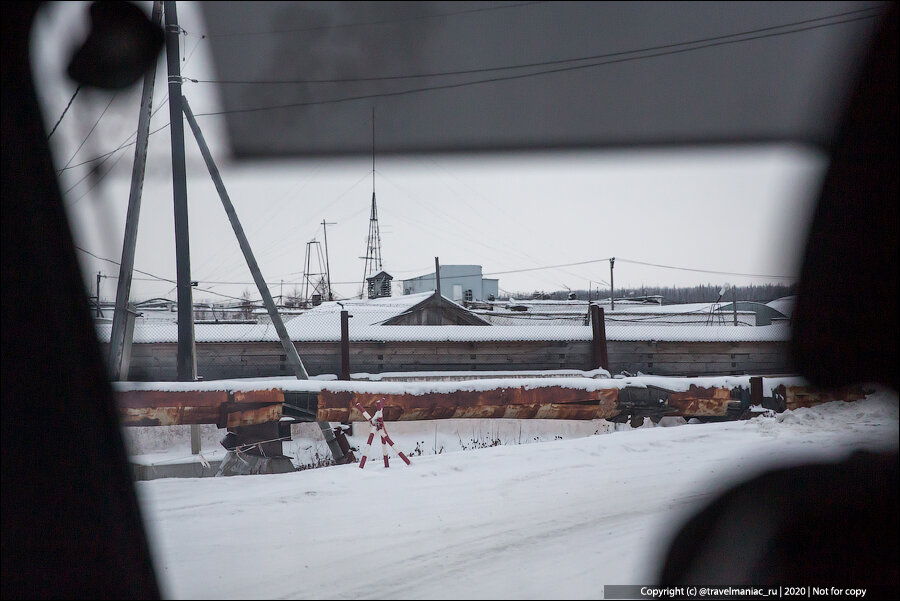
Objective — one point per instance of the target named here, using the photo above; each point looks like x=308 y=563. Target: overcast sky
x=733 y=210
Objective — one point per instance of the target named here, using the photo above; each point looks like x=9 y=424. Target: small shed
x=379 y=285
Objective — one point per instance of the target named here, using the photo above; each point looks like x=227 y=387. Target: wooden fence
x=156 y=361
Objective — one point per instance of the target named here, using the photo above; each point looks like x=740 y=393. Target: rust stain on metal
x=551 y=402
x=167 y=416
x=805 y=396
x=696 y=392
x=167 y=398
x=220 y=407
x=267 y=397
x=700 y=407
x=700 y=401
x=256 y=415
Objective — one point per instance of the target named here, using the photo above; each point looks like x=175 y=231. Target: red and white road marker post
x=377 y=427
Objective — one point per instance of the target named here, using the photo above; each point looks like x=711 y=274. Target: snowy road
x=546 y=520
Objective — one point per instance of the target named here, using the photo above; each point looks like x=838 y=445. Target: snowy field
x=551 y=519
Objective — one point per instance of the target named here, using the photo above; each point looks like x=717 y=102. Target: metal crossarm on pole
x=377 y=427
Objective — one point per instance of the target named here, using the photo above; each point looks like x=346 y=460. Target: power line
x=65 y=110
x=524 y=75
x=367 y=23
x=155 y=277
x=462 y=84
x=96 y=123
x=534 y=64
x=105 y=157
x=97 y=182
x=147 y=273
x=124 y=144
x=447 y=277
x=749 y=275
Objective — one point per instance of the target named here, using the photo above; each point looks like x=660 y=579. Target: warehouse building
x=459 y=283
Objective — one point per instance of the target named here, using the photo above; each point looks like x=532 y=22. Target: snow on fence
x=325 y=331
x=241 y=350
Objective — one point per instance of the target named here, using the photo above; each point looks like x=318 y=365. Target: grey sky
x=737 y=210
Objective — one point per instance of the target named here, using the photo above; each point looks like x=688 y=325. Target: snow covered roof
x=323 y=324
x=785 y=304
x=365 y=311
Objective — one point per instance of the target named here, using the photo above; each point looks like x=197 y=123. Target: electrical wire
x=96 y=123
x=522 y=75
x=106 y=157
x=748 y=275
x=536 y=64
x=157 y=277
x=65 y=110
x=368 y=23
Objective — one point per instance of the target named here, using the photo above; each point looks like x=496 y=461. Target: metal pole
x=345 y=345
x=116 y=366
x=612 y=288
x=437 y=276
x=288 y=346
x=734 y=304
x=327 y=265
x=598 y=327
x=99 y=277
x=187 y=365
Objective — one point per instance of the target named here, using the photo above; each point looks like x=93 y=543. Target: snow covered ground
x=554 y=519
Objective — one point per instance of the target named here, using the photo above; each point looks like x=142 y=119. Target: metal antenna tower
x=373 y=244
x=314 y=281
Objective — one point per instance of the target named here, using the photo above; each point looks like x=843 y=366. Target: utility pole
x=186 y=361
x=433 y=318
x=734 y=304
x=100 y=276
x=289 y=349
x=437 y=276
x=327 y=265
x=117 y=340
x=612 y=289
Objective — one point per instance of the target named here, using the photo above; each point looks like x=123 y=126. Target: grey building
x=459 y=283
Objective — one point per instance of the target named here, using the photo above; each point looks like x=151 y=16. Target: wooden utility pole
x=118 y=340
x=186 y=361
x=289 y=349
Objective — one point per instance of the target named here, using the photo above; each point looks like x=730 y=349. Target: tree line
x=701 y=293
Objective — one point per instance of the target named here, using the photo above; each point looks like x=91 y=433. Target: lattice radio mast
x=314 y=282
x=373 y=244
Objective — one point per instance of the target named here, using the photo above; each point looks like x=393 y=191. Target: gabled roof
x=448 y=310
x=379 y=275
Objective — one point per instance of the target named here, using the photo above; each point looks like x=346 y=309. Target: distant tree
x=701 y=293
x=246 y=304
x=293 y=298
